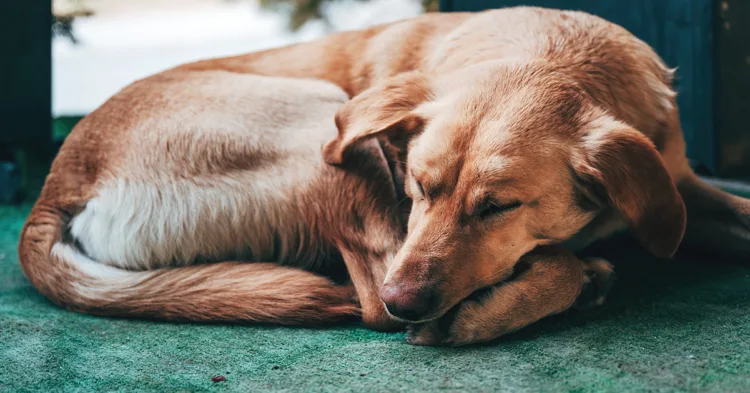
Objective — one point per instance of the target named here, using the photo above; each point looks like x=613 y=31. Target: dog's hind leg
x=717 y=222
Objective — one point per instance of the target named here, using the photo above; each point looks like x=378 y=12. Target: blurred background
x=99 y=46
x=61 y=60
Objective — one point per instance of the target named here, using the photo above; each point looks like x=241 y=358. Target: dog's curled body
x=221 y=167
x=517 y=135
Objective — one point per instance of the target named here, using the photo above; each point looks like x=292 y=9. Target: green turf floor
x=682 y=325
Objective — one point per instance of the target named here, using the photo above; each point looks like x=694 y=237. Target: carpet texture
x=681 y=325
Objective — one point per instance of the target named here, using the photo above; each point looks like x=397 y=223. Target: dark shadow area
x=643 y=280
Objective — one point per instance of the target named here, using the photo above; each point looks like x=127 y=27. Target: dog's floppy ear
x=626 y=165
x=384 y=109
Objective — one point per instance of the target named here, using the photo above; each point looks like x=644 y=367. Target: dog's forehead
x=453 y=138
x=493 y=136
x=442 y=149
x=453 y=151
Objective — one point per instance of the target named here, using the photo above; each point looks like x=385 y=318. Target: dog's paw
x=382 y=322
x=426 y=334
x=375 y=317
x=598 y=278
x=458 y=327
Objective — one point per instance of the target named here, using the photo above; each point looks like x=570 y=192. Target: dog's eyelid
x=490 y=207
x=420 y=187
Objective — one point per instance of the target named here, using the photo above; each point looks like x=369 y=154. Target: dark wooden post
x=732 y=37
x=25 y=88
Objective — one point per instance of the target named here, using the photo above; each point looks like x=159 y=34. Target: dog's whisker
x=402 y=201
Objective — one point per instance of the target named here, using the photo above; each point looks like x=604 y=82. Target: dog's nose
x=407 y=303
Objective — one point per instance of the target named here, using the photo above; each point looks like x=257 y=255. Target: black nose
x=407 y=303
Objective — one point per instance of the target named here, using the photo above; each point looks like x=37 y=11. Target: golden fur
x=518 y=135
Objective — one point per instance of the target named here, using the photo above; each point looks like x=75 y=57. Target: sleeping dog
x=390 y=173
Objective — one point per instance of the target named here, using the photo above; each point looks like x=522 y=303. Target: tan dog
x=518 y=135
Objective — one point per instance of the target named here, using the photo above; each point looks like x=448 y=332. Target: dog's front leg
x=367 y=271
x=551 y=281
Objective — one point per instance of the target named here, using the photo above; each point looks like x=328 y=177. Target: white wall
x=117 y=48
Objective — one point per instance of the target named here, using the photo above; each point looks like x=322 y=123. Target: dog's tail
x=229 y=291
x=717 y=221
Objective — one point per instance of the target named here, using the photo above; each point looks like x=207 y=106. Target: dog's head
x=501 y=159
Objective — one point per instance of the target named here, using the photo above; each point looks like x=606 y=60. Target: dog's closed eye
x=491 y=208
x=425 y=192
x=420 y=188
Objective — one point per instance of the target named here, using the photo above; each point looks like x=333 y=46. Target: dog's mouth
x=420 y=320
x=443 y=312
x=438 y=312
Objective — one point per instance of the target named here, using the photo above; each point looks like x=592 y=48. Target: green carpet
x=682 y=325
